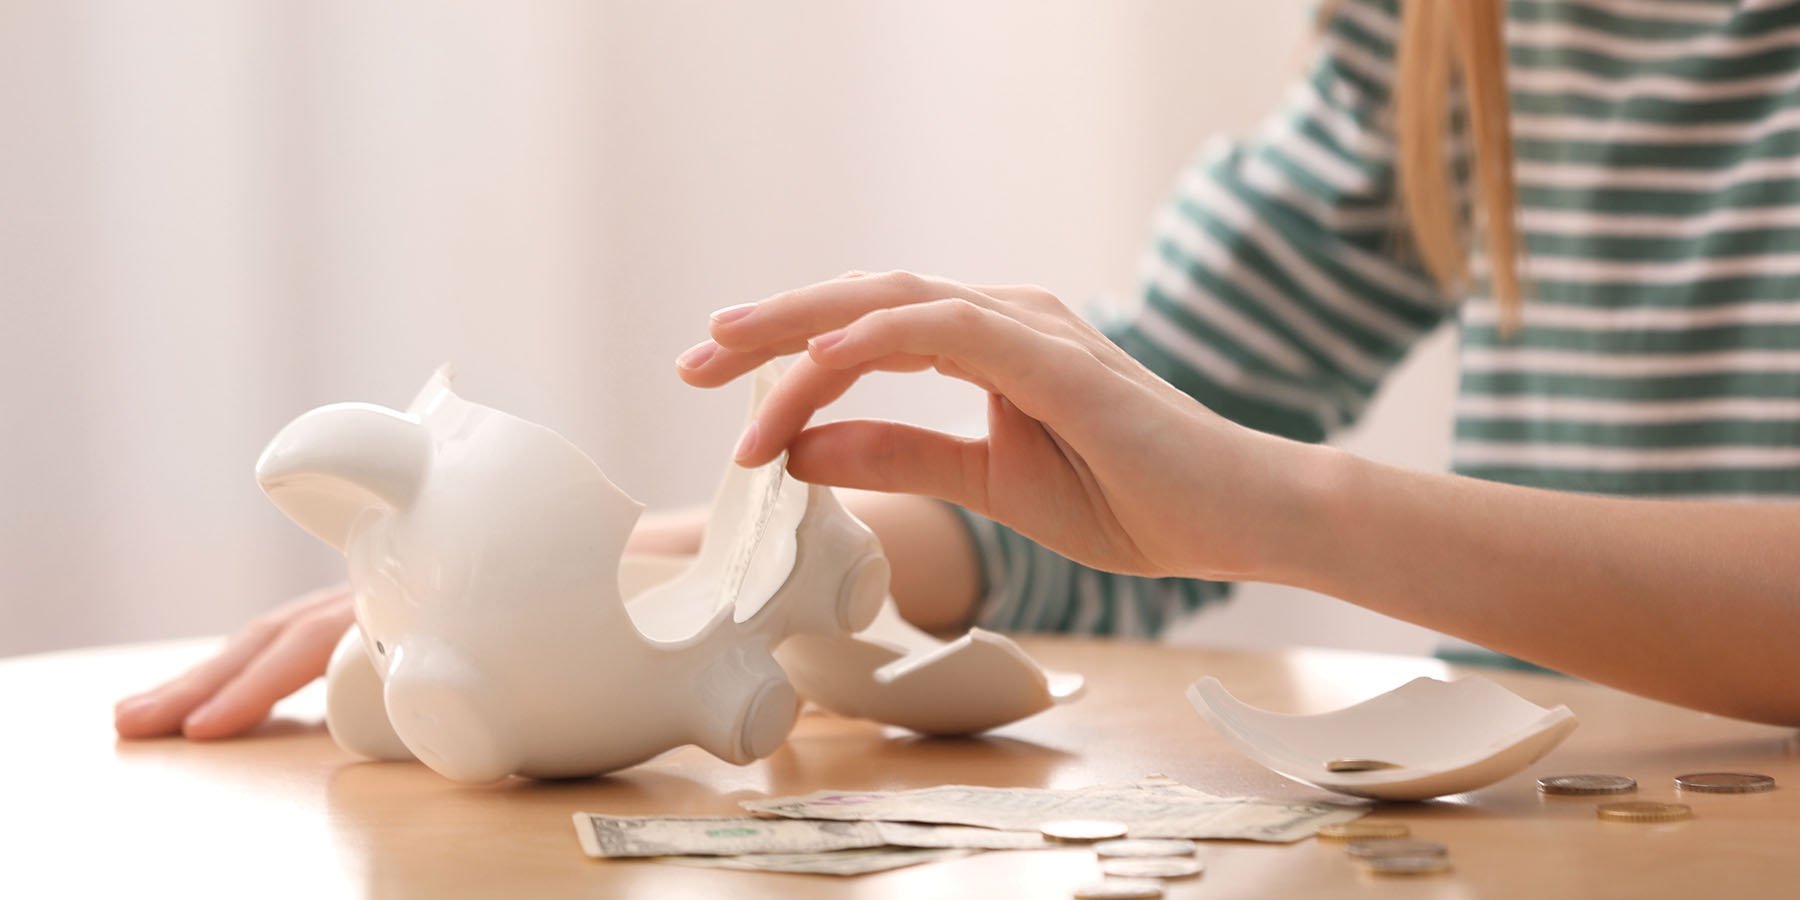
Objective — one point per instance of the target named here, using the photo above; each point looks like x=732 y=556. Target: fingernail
x=733 y=313
x=132 y=707
x=693 y=357
x=827 y=340
x=746 y=443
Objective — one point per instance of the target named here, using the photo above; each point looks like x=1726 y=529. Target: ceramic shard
x=1432 y=737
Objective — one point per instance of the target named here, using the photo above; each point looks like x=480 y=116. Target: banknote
x=634 y=836
x=604 y=836
x=969 y=837
x=1152 y=808
x=840 y=862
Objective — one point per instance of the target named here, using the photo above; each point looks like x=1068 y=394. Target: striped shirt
x=1658 y=169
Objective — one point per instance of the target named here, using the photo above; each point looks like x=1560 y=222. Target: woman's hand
x=1087 y=452
x=227 y=695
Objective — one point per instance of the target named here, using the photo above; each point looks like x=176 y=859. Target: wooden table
x=285 y=813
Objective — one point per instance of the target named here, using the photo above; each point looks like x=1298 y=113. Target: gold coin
x=1153 y=867
x=1643 y=811
x=1725 y=783
x=1363 y=830
x=1083 y=831
x=1406 y=865
x=1586 y=784
x=1120 y=889
x=1142 y=847
x=1358 y=765
x=1374 y=849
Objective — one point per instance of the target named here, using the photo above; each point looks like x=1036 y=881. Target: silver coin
x=1407 y=865
x=1395 y=847
x=1725 y=783
x=1153 y=867
x=1083 y=831
x=1586 y=784
x=1120 y=889
x=1141 y=847
x=1358 y=765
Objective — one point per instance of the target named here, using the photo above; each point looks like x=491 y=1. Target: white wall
x=217 y=213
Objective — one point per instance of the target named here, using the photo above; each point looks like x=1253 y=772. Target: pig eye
x=380 y=649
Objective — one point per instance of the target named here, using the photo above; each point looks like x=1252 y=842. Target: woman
x=1631 y=165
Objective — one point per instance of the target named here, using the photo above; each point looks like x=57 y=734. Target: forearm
x=936 y=576
x=1693 y=603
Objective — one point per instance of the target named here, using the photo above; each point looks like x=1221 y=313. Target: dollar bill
x=637 y=836
x=1153 y=808
x=840 y=862
x=967 y=837
x=604 y=836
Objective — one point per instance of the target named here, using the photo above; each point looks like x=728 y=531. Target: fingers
x=963 y=340
x=893 y=458
x=161 y=710
x=1038 y=372
x=746 y=336
x=296 y=657
x=707 y=364
x=803 y=389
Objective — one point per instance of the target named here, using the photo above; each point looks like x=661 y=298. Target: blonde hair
x=1446 y=42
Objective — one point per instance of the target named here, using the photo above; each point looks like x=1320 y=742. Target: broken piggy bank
x=493 y=637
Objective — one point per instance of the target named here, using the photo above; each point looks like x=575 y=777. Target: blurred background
x=216 y=214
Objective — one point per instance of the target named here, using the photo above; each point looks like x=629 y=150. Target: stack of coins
x=1137 y=868
x=1586 y=785
x=1399 y=856
x=1643 y=811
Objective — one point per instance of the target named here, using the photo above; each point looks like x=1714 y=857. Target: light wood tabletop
x=285 y=813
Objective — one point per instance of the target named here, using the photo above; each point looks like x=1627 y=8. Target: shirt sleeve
x=1277 y=293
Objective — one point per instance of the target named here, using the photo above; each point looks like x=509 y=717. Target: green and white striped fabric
x=1658 y=146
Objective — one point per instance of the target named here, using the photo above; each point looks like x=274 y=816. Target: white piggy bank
x=492 y=637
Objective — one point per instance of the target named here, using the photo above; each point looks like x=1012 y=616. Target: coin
x=1363 y=830
x=1358 y=765
x=1374 y=849
x=1082 y=831
x=1153 y=867
x=1144 y=847
x=1406 y=865
x=1586 y=784
x=1643 y=811
x=1120 y=889
x=1725 y=783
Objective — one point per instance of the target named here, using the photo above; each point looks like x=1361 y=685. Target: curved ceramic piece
x=894 y=673
x=484 y=558
x=1442 y=737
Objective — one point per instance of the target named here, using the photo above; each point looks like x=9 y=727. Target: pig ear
x=333 y=463
x=448 y=713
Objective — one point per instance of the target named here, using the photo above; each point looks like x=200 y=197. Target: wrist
x=1317 y=508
